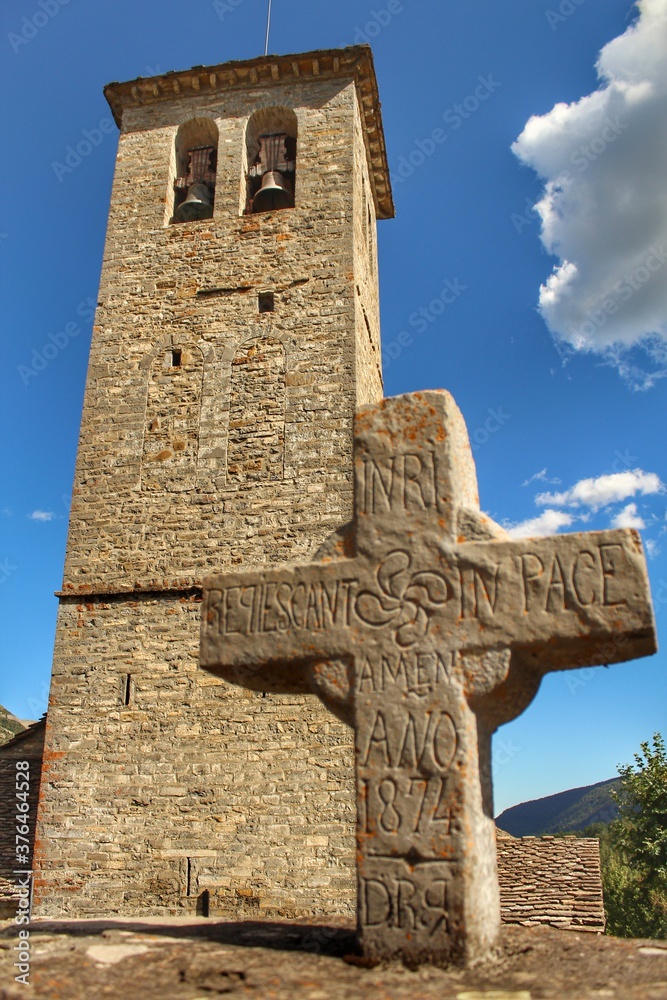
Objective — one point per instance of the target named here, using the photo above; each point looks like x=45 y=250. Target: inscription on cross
x=437 y=630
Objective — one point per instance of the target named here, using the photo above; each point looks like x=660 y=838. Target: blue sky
x=562 y=389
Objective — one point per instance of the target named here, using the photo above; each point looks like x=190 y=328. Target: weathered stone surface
x=426 y=642
x=280 y=960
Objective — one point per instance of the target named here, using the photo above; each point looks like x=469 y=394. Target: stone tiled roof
x=551 y=880
x=33 y=730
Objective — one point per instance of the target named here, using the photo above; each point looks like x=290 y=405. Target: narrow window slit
x=176 y=356
x=266 y=302
x=127 y=689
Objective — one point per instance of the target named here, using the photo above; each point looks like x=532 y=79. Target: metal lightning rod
x=268 y=29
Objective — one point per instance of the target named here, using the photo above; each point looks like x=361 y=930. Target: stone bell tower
x=237 y=331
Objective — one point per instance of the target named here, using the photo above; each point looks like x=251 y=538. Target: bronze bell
x=276 y=192
x=197 y=205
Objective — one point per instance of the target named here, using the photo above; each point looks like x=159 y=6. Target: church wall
x=194 y=786
x=196 y=286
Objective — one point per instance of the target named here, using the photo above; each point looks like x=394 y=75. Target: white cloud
x=604 y=207
x=548 y=523
x=41 y=515
x=652 y=547
x=540 y=477
x=628 y=518
x=612 y=488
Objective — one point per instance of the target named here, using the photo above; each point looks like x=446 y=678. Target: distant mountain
x=9 y=725
x=565 y=812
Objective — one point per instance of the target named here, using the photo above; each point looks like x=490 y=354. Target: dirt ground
x=177 y=959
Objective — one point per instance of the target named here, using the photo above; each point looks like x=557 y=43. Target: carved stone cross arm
x=434 y=632
x=580 y=599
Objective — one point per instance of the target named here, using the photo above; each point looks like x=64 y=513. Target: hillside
x=9 y=725
x=566 y=812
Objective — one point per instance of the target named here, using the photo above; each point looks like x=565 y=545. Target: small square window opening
x=266 y=302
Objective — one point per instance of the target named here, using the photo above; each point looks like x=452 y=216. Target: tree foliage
x=633 y=848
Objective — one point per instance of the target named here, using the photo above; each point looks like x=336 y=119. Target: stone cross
x=425 y=627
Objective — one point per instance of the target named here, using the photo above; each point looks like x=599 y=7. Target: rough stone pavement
x=186 y=959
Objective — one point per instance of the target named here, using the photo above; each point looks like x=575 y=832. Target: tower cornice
x=354 y=63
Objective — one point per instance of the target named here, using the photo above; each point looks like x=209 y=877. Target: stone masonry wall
x=248 y=794
x=27 y=746
x=162 y=784
x=195 y=286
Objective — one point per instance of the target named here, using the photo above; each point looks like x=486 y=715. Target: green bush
x=633 y=848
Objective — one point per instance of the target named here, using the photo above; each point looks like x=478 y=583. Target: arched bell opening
x=271 y=140
x=196 y=166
